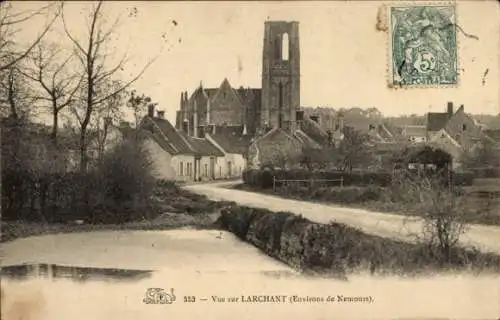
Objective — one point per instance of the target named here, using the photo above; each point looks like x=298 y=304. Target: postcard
x=250 y=160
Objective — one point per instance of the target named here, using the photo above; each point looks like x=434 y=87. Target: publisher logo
x=159 y=296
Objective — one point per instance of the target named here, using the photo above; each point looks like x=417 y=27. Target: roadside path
x=483 y=237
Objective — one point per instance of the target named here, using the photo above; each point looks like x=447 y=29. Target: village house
x=455 y=132
x=414 y=133
x=176 y=155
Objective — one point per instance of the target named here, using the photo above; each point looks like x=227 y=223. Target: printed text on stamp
x=424 y=47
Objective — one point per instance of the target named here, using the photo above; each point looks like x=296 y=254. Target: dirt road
x=484 y=238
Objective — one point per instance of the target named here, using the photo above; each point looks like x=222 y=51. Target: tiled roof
x=389 y=147
x=202 y=146
x=493 y=134
x=415 y=131
x=177 y=142
x=436 y=120
x=306 y=141
x=164 y=131
x=231 y=139
x=314 y=131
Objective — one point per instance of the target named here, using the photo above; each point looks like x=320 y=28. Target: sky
x=344 y=58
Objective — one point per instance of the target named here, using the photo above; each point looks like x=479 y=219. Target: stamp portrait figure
x=424 y=49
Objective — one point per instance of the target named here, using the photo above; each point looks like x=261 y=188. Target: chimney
x=161 y=114
x=340 y=122
x=450 y=109
x=182 y=101
x=299 y=117
x=330 y=136
x=195 y=120
x=151 y=110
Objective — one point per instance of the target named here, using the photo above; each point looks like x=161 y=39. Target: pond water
x=106 y=275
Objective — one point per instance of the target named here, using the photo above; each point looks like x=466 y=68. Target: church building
x=263 y=124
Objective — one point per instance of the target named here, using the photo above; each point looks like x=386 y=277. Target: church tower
x=280 y=75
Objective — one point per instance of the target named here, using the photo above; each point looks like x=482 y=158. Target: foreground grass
x=479 y=210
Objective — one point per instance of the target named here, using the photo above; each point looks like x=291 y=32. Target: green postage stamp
x=423 y=45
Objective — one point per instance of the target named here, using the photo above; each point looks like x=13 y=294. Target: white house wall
x=443 y=140
x=187 y=162
x=161 y=161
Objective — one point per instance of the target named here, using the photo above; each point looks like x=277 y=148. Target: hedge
x=263 y=179
x=338 y=249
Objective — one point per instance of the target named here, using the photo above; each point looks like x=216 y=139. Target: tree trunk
x=55 y=119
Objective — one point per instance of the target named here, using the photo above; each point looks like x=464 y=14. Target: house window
x=464 y=127
x=220 y=171
x=181 y=168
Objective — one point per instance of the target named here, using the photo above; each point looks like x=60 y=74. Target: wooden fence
x=310 y=181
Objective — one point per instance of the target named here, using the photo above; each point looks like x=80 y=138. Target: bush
x=463 y=178
x=115 y=191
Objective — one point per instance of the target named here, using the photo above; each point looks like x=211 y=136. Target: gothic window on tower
x=277 y=48
x=280 y=105
x=285 y=47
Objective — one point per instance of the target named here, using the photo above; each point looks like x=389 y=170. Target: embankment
x=339 y=250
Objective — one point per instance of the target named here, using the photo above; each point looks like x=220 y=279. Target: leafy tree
x=139 y=104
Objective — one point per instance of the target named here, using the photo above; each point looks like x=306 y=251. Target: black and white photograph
x=250 y=160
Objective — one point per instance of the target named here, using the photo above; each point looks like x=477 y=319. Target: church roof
x=251 y=97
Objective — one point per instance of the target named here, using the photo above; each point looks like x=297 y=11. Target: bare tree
x=16 y=100
x=108 y=112
x=92 y=56
x=49 y=67
x=12 y=22
x=442 y=208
